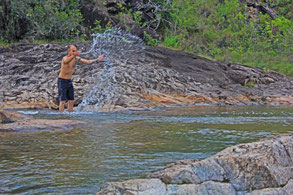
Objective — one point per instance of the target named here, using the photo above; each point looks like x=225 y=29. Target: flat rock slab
x=264 y=167
x=37 y=125
x=11 y=116
x=11 y=121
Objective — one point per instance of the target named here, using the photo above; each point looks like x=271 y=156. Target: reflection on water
x=118 y=146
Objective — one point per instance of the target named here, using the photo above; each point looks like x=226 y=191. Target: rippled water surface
x=119 y=146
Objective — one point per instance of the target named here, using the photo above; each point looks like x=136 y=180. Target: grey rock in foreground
x=264 y=167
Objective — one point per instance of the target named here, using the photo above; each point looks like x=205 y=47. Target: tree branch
x=263 y=9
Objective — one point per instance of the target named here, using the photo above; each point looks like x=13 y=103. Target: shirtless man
x=65 y=86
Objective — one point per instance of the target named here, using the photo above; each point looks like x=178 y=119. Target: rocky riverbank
x=264 y=167
x=143 y=77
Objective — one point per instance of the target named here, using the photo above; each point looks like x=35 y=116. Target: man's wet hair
x=72 y=45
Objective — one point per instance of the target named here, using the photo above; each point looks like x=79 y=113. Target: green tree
x=51 y=19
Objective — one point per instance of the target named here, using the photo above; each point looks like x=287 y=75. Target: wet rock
x=11 y=116
x=38 y=125
x=264 y=167
x=4 y=119
x=11 y=121
x=137 y=186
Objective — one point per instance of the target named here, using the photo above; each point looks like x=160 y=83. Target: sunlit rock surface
x=133 y=76
x=264 y=167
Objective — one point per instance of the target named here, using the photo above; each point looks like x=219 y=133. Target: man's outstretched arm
x=84 y=61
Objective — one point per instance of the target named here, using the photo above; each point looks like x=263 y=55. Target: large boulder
x=133 y=76
x=96 y=12
x=264 y=167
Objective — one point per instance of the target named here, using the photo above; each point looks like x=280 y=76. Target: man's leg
x=70 y=105
x=62 y=95
x=61 y=106
x=70 y=95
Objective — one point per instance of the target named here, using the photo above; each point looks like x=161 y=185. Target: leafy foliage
x=99 y=28
x=229 y=31
x=149 y=40
x=51 y=19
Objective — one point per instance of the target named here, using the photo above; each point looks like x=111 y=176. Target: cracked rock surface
x=264 y=167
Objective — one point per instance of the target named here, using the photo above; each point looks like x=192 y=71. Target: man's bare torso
x=67 y=69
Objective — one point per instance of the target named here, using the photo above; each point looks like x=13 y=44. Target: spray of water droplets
x=117 y=46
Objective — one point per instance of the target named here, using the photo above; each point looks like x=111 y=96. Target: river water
x=119 y=146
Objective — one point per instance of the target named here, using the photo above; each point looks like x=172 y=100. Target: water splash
x=117 y=46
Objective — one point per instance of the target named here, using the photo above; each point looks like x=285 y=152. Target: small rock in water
x=19 y=122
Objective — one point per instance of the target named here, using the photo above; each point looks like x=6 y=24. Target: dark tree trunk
x=4 y=13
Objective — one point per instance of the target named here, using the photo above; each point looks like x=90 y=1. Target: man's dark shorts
x=65 y=89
